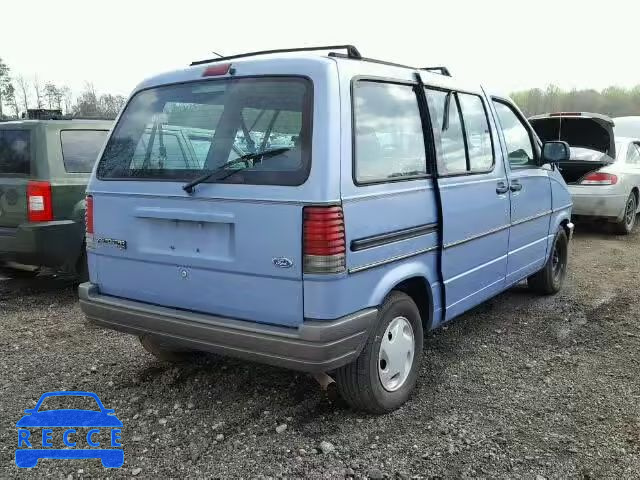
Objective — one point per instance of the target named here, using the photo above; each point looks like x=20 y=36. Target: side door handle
x=502 y=188
x=515 y=186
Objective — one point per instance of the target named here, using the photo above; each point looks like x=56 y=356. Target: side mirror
x=555 y=152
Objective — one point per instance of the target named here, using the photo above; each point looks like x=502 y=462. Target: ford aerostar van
x=330 y=210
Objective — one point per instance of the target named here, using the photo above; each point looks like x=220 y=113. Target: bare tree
x=23 y=85
x=58 y=97
x=67 y=98
x=87 y=104
x=50 y=93
x=37 y=88
x=10 y=98
x=110 y=105
x=5 y=80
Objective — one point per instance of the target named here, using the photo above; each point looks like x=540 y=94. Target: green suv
x=44 y=170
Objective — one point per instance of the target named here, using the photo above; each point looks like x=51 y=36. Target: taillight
x=88 y=221
x=324 y=240
x=39 y=204
x=599 y=178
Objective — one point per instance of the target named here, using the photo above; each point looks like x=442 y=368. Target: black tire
x=625 y=226
x=166 y=353
x=82 y=267
x=359 y=383
x=549 y=280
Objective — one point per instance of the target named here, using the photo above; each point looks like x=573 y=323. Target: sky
x=505 y=45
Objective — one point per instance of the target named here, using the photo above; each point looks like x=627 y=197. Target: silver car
x=603 y=172
x=627 y=126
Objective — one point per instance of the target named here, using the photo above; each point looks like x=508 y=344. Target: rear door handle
x=502 y=188
x=516 y=186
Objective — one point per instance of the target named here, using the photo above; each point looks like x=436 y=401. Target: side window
x=15 y=152
x=516 y=136
x=80 y=149
x=633 y=155
x=476 y=127
x=389 y=142
x=454 y=159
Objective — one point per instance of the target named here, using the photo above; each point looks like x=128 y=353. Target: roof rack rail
x=372 y=60
x=352 y=52
x=440 y=70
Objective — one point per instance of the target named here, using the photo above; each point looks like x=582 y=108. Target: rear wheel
x=549 y=280
x=82 y=267
x=383 y=376
x=165 y=352
x=625 y=226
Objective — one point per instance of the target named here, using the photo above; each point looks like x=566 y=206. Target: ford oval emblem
x=282 y=262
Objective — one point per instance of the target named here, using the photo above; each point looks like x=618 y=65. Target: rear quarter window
x=388 y=137
x=80 y=149
x=15 y=152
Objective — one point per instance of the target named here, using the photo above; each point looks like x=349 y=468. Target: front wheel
x=381 y=379
x=549 y=280
x=625 y=226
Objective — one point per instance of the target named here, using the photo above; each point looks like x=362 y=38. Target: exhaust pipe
x=327 y=384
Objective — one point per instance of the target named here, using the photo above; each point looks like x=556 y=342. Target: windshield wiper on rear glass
x=249 y=156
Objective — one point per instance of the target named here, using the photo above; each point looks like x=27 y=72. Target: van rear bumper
x=315 y=346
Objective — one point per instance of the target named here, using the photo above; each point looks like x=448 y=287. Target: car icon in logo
x=69 y=433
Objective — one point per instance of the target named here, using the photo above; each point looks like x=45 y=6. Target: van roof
x=308 y=58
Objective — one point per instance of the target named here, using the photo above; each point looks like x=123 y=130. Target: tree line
x=612 y=101
x=19 y=94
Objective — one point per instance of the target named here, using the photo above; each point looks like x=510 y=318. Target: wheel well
x=565 y=225
x=420 y=292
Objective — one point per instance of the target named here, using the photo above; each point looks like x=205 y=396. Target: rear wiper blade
x=249 y=156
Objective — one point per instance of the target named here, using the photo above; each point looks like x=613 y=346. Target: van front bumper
x=315 y=346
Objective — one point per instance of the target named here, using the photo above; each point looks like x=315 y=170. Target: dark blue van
x=318 y=212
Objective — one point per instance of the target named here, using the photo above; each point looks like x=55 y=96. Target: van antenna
x=216 y=53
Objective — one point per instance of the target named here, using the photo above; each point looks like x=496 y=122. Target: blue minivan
x=318 y=211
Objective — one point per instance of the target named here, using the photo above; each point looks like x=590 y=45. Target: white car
x=627 y=126
x=603 y=172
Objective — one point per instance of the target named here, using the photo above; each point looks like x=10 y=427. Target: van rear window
x=80 y=149
x=179 y=132
x=15 y=152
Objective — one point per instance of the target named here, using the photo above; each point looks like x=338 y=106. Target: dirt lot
x=522 y=387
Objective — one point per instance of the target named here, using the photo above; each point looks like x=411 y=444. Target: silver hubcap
x=396 y=354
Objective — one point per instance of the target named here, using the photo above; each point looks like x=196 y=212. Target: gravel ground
x=521 y=387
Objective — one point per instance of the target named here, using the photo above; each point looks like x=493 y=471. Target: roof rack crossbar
x=352 y=52
x=440 y=70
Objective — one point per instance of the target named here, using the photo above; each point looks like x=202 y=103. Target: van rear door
x=232 y=247
x=15 y=169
